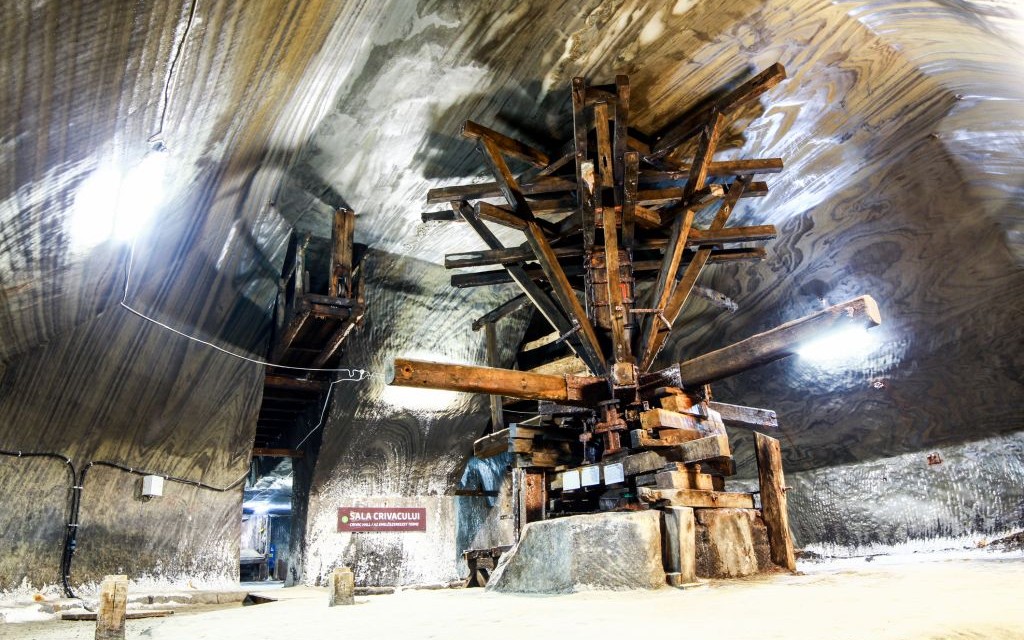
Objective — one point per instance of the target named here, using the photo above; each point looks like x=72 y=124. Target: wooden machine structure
x=312 y=319
x=614 y=217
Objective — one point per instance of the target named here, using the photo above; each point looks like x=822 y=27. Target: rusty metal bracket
x=659 y=312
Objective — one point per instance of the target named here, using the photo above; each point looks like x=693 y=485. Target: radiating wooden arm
x=766 y=347
x=573 y=390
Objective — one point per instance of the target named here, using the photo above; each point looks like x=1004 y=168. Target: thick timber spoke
x=655 y=339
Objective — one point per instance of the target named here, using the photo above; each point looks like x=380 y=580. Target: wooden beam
x=706 y=148
x=560 y=287
x=509 y=218
x=566 y=296
x=618 y=312
x=277 y=453
x=746 y=417
x=278 y=381
x=777 y=343
x=518 y=274
x=696 y=238
x=703 y=449
x=551 y=184
x=335 y=341
x=491 y=445
x=488 y=278
x=665 y=284
x=654 y=339
x=580 y=131
x=540 y=185
x=342 y=234
x=508 y=146
x=721 y=168
x=491 y=339
x=110 y=611
x=621 y=132
x=695 y=498
x=505 y=309
x=664 y=419
x=673 y=136
x=640 y=439
x=604 y=149
x=705 y=237
x=630 y=182
x=301 y=312
x=773 y=500
x=679 y=543
x=661 y=197
x=516 y=384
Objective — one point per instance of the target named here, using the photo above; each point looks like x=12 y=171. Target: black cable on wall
x=75 y=499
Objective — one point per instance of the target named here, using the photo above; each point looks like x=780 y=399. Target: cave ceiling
x=901 y=125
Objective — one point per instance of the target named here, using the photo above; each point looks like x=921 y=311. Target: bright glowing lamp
x=841 y=346
x=112 y=205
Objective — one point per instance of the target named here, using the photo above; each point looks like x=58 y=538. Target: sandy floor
x=960 y=598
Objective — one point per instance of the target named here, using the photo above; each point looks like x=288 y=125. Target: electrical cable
x=71 y=503
x=78 y=485
x=352 y=373
x=323 y=413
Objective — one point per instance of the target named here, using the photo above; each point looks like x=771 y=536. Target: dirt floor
x=885 y=598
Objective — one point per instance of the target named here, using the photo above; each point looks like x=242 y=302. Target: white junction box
x=614 y=473
x=571 y=480
x=152 y=486
x=590 y=476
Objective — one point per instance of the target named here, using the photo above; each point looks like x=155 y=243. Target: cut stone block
x=593 y=552
x=731 y=543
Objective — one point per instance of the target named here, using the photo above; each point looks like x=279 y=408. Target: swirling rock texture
x=901 y=130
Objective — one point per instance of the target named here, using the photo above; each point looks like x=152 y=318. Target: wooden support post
x=342 y=588
x=342 y=233
x=111 y=610
x=679 y=545
x=300 y=270
x=604 y=150
x=617 y=312
x=631 y=161
x=529 y=494
x=621 y=133
x=491 y=338
x=777 y=343
x=580 y=132
x=773 y=500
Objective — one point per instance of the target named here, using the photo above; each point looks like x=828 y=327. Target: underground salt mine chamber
x=437 y=319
